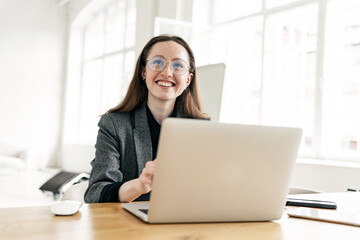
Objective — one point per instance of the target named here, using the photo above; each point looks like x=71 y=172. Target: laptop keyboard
x=144 y=211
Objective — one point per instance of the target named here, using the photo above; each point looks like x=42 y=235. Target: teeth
x=165 y=84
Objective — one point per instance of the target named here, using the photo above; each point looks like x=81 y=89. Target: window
x=99 y=74
x=288 y=63
x=341 y=82
x=289 y=76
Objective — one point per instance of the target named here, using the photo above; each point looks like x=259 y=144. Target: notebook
x=325 y=215
x=218 y=172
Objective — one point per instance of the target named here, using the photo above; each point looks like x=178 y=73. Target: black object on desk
x=310 y=203
x=62 y=181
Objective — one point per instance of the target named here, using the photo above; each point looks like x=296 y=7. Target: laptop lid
x=217 y=172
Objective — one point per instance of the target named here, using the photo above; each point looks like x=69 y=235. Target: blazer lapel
x=142 y=138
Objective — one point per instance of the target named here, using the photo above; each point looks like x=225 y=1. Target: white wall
x=32 y=47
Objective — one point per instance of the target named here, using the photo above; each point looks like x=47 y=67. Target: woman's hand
x=138 y=186
x=146 y=176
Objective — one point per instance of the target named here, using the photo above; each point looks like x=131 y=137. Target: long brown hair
x=188 y=103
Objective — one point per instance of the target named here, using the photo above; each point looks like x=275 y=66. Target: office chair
x=211 y=81
x=76 y=192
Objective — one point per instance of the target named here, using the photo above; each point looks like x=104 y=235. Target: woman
x=163 y=85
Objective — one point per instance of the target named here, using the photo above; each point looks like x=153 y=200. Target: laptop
x=218 y=172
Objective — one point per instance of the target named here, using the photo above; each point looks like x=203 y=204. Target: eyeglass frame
x=187 y=65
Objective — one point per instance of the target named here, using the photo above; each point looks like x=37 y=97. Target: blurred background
x=63 y=63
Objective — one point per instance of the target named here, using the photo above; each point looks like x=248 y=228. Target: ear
x=189 y=79
x=143 y=73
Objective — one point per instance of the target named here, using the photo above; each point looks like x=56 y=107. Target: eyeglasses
x=158 y=64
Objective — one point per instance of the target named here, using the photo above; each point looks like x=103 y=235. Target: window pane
x=198 y=37
x=289 y=71
x=201 y=12
x=129 y=67
x=115 y=27
x=112 y=87
x=341 y=97
x=201 y=44
x=276 y=3
x=230 y=9
x=103 y=66
x=90 y=101
x=130 y=24
x=173 y=27
x=94 y=38
x=238 y=45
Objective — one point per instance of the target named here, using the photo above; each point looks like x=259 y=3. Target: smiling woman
x=164 y=85
x=166 y=82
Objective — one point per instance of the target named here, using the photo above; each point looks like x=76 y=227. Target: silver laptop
x=217 y=172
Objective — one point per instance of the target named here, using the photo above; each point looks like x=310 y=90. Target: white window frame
x=77 y=61
x=188 y=30
x=318 y=95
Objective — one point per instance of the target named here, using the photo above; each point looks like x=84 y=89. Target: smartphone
x=325 y=215
x=310 y=203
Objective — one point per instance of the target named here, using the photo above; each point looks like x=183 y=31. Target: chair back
x=76 y=192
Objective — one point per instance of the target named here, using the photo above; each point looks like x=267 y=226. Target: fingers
x=148 y=172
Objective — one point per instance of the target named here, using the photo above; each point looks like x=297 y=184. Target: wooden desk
x=111 y=221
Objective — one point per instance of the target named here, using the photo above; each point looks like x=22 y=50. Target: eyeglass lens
x=158 y=64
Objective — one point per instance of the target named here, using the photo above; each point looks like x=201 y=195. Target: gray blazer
x=122 y=149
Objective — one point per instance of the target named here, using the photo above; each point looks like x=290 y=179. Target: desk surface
x=111 y=221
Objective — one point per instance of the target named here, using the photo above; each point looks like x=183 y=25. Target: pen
x=352 y=190
x=310 y=203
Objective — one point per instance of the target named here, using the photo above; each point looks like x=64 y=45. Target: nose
x=167 y=70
